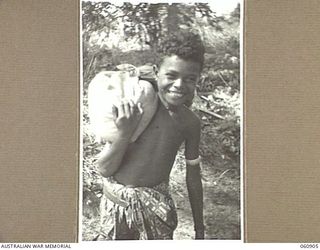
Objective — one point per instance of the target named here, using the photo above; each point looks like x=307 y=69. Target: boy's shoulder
x=182 y=120
x=191 y=116
x=190 y=122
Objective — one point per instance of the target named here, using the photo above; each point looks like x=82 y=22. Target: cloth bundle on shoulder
x=107 y=88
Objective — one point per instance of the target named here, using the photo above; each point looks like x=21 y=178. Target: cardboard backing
x=39 y=96
x=282 y=136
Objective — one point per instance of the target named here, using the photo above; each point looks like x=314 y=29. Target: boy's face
x=177 y=79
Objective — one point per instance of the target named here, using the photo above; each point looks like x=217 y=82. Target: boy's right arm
x=126 y=118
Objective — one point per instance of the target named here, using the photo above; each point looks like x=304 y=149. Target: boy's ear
x=155 y=70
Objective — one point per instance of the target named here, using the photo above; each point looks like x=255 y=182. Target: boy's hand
x=199 y=235
x=127 y=117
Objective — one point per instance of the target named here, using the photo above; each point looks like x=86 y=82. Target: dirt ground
x=221 y=202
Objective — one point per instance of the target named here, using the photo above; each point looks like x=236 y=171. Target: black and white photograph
x=161 y=120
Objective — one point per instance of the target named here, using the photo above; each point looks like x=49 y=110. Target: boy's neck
x=168 y=107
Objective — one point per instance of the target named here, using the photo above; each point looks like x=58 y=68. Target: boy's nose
x=178 y=83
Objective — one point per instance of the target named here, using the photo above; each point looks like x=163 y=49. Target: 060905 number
x=309 y=246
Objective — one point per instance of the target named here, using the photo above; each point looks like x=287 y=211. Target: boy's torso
x=149 y=160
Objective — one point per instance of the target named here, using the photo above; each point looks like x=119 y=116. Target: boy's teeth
x=177 y=94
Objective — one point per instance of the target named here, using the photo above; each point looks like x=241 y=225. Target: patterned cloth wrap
x=140 y=213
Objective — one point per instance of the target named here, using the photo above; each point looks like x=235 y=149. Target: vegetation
x=115 y=34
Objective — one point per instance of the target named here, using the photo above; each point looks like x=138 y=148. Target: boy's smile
x=177 y=79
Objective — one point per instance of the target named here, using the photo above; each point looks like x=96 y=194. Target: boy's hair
x=185 y=44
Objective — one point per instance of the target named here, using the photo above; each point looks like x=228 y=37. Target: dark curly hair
x=185 y=44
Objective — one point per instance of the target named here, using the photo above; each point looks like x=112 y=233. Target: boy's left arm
x=193 y=178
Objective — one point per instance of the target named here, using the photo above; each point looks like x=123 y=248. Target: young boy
x=136 y=203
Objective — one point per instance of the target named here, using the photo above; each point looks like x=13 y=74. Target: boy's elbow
x=193 y=173
x=102 y=170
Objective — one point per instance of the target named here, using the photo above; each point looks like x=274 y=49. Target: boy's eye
x=191 y=79
x=171 y=77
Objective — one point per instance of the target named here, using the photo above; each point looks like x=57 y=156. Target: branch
x=208 y=100
x=87 y=71
x=224 y=81
x=211 y=113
